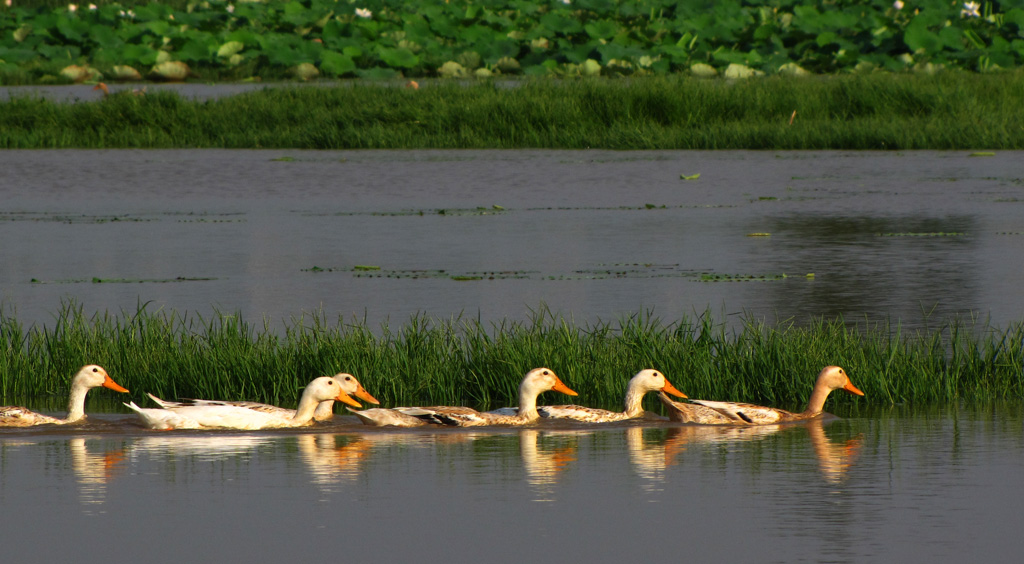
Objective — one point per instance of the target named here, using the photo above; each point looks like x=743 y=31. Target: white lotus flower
x=970 y=10
x=364 y=13
x=898 y=4
x=72 y=8
x=92 y=7
x=230 y=8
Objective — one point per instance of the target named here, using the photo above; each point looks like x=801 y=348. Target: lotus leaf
x=469 y=59
x=398 y=57
x=451 y=69
x=140 y=55
x=16 y=55
x=590 y=67
x=171 y=71
x=737 y=71
x=79 y=73
x=195 y=50
x=21 y=33
x=124 y=72
x=793 y=69
x=230 y=48
x=508 y=65
x=336 y=64
x=601 y=29
x=703 y=70
x=305 y=71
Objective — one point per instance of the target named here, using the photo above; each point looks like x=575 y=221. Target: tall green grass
x=949 y=110
x=465 y=362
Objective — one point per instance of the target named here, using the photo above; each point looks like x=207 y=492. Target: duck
x=324 y=410
x=647 y=380
x=728 y=413
x=88 y=377
x=180 y=415
x=536 y=382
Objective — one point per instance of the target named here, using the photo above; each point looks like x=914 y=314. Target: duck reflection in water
x=651 y=453
x=543 y=465
x=94 y=470
x=835 y=458
x=331 y=463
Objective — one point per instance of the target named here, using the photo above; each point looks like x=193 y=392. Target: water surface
x=910 y=237
x=897 y=485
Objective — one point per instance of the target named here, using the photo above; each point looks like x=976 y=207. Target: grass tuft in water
x=465 y=362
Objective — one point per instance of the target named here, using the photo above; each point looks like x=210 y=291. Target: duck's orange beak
x=669 y=388
x=849 y=387
x=362 y=394
x=561 y=387
x=345 y=398
x=109 y=382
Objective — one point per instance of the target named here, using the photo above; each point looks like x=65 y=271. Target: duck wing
x=581 y=413
x=16 y=416
x=746 y=412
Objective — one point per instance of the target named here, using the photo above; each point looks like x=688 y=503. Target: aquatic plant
x=465 y=362
x=949 y=111
x=376 y=39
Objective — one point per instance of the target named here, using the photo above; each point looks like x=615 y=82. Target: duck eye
x=94 y=369
x=545 y=372
x=348 y=378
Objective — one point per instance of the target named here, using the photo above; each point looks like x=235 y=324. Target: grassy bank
x=427 y=361
x=945 y=111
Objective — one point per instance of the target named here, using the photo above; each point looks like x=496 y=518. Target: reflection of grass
x=72 y=218
x=501 y=210
x=925 y=234
x=714 y=277
x=98 y=280
x=608 y=271
x=183 y=217
x=467 y=362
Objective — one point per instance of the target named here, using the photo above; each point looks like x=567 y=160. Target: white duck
x=728 y=413
x=644 y=381
x=87 y=378
x=177 y=416
x=536 y=382
x=324 y=410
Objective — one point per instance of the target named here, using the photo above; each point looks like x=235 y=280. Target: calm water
x=895 y=487
x=909 y=237
x=912 y=237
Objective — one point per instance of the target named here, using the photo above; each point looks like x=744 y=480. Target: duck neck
x=307 y=407
x=76 y=403
x=634 y=401
x=324 y=410
x=527 y=404
x=817 y=401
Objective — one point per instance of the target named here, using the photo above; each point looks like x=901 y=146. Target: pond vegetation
x=56 y=41
x=952 y=110
x=459 y=361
